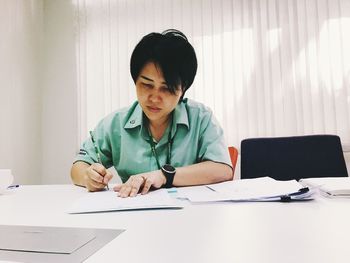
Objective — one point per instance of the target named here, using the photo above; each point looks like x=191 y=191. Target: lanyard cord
x=153 y=146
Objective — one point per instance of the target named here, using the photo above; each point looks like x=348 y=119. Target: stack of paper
x=330 y=186
x=259 y=189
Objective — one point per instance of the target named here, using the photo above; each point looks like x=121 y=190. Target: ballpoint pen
x=289 y=197
x=97 y=152
x=13 y=186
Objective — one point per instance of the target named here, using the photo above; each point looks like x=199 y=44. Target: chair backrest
x=287 y=158
x=233 y=155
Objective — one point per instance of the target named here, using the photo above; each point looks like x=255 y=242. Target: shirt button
x=132 y=121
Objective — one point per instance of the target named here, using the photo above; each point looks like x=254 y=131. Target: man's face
x=155 y=98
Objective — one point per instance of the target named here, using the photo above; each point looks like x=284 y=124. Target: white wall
x=59 y=110
x=38 y=116
x=20 y=89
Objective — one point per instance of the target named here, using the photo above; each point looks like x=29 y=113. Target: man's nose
x=155 y=96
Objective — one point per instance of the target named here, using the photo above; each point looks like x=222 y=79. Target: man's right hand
x=97 y=177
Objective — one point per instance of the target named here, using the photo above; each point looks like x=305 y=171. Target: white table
x=315 y=231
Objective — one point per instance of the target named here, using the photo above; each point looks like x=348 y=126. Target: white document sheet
x=263 y=188
x=109 y=201
x=200 y=193
x=331 y=186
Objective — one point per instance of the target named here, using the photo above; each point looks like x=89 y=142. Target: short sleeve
x=87 y=151
x=212 y=144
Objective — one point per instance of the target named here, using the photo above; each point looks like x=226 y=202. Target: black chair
x=287 y=158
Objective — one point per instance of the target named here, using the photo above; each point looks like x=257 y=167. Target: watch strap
x=169 y=176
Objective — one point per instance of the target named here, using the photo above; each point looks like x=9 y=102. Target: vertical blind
x=266 y=67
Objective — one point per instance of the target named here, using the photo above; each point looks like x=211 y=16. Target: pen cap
x=6 y=179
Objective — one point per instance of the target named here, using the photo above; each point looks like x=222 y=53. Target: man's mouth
x=153 y=109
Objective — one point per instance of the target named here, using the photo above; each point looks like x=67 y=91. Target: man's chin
x=153 y=116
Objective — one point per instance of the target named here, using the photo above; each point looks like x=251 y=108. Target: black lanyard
x=153 y=146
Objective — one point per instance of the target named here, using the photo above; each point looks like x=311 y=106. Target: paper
x=256 y=188
x=200 y=193
x=43 y=239
x=264 y=189
x=109 y=201
x=332 y=186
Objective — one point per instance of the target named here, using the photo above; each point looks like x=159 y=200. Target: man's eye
x=165 y=89
x=147 y=85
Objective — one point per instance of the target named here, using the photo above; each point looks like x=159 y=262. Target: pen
x=13 y=186
x=288 y=197
x=97 y=152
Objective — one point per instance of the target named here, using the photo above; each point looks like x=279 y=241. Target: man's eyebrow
x=144 y=77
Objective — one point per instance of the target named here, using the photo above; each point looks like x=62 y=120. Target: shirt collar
x=136 y=119
x=180 y=115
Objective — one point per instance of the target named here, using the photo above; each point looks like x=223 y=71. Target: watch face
x=168 y=168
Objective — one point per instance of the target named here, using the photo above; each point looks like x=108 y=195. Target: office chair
x=287 y=158
x=233 y=156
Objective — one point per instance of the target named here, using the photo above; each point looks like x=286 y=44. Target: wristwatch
x=169 y=173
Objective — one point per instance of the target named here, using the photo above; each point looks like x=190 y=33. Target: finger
x=134 y=190
x=99 y=168
x=96 y=177
x=136 y=184
x=117 y=187
x=125 y=191
x=93 y=186
x=143 y=180
x=96 y=184
x=120 y=188
x=107 y=177
x=131 y=187
x=146 y=186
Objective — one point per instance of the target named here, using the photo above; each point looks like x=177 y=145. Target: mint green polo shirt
x=123 y=140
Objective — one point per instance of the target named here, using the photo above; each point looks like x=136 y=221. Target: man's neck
x=158 y=128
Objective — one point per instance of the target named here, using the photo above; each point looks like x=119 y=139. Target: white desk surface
x=316 y=231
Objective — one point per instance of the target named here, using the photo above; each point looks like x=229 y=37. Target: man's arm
x=207 y=172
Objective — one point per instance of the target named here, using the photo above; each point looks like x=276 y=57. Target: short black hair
x=171 y=51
